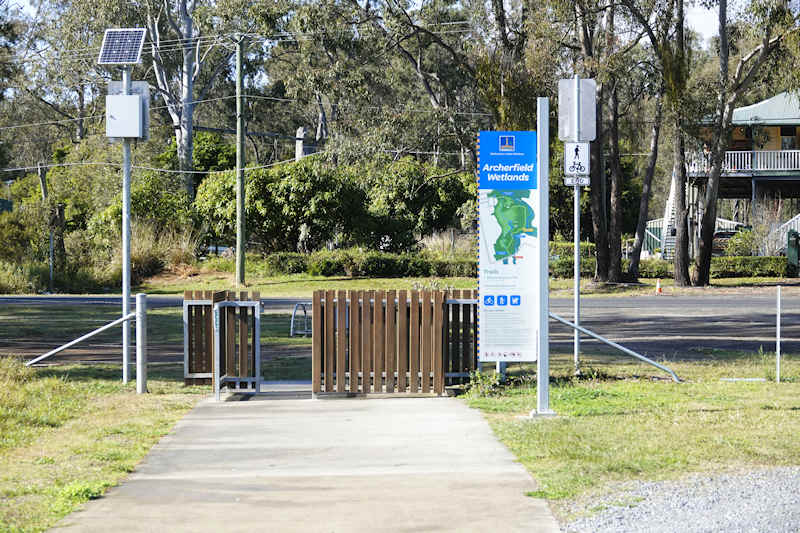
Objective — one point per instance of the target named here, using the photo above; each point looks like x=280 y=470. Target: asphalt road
x=658 y=326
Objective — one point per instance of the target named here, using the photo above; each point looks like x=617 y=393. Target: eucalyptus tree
x=776 y=27
x=9 y=31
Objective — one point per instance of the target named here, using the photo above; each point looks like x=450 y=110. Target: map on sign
x=510 y=219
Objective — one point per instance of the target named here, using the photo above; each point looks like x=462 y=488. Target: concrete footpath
x=416 y=464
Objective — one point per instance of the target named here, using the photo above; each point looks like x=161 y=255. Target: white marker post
x=543 y=182
x=778 y=338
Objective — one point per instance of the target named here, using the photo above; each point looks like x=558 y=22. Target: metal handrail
x=70 y=344
x=140 y=315
x=613 y=344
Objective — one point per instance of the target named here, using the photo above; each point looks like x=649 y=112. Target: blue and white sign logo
x=507 y=160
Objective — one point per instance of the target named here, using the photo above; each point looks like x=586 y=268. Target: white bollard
x=141 y=343
x=778 y=338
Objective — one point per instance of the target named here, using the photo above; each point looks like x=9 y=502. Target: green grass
x=20 y=323
x=68 y=433
x=630 y=422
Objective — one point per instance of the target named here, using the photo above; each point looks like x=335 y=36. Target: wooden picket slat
x=230 y=335
x=366 y=340
x=329 y=340
x=200 y=349
x=354 y=338
x=413 y=365
x=473 y=362
x=402 y=336
x=438 y=345
x=379 y=335
x=256 y=297
x=391 y=340
x=455 y=335
x=316 y=342
x=341 y=340
x=427 y=341
x=466 y=333
x=210 y=361
x=215 y=361
x=244 y=370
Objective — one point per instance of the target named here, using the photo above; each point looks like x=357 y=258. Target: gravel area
x=754 y=501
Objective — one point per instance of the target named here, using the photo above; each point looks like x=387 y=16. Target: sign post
x=513 y=248
x=576 y=123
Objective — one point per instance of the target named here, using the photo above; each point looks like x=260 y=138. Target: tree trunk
x=681 y=213
x=184 y=137
x=647 y=182
x=724 y=108
x=615 y=226
x=80 y=128
x=599 y=225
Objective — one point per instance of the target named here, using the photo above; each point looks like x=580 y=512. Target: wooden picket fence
x=392 y=342
x=237 y=357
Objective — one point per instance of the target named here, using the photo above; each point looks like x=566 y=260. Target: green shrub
x=563 y=267
x=329 y=263
x=286 y=263
x=463 y=268
x=19 y=279
x=654 y=268
x=748 y=266
x=742 y=243
x=567 y=249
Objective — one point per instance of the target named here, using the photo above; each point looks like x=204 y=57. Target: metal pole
x=240 y=146
x=141 y=343
x=778 y=338
x=542 y=182
x=43 y=184
x=126 y=237
x=576 y=305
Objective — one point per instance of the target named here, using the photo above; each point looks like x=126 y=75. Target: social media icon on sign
x=502 y=300
x=515 y=300
x=488 y=300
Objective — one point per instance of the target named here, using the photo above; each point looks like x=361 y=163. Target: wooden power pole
x=240 y=146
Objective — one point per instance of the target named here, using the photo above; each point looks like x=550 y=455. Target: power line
x=177 y=45
x=140 y=167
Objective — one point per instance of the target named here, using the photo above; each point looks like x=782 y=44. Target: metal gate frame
x=244 y=385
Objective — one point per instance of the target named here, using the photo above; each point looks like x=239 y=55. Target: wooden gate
x=397 y=342
x=237 y=346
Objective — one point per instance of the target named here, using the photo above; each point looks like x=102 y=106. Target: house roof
x=781 y=109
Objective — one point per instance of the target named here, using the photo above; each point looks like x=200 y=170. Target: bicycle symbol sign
x=576 y=159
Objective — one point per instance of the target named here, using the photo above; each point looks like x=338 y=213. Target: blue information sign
x=509 y=260
x=507 y=160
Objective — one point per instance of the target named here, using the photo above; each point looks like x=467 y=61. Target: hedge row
x=358 y=263
x=564 y=249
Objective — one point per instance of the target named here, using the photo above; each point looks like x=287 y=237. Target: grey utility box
x=124 y=116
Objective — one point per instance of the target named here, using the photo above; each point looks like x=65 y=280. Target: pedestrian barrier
x=392 y=342
x=221 y=331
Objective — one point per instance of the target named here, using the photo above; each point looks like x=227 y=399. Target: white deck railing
x=746 y=162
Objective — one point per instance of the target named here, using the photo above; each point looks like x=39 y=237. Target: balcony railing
x=747 y=162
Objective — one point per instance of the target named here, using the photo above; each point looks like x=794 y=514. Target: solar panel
x=122 y=46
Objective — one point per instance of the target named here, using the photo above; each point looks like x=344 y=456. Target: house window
x=788 y=138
